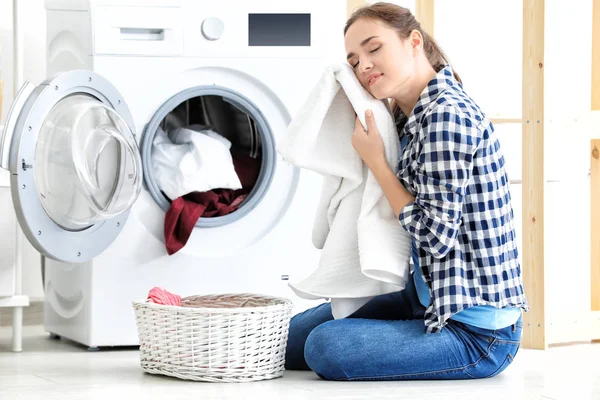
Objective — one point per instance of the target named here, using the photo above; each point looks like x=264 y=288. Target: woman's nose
x=366 y=66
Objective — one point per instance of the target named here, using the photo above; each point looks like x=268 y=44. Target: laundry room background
x=33 y=26
x=484 y=43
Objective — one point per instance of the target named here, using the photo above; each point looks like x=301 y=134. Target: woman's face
x=382 y=62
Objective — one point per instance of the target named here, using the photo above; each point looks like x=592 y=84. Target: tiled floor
x=48 y=369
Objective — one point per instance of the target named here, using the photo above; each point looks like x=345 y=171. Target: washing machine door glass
x=75 y=167
x=86 y=166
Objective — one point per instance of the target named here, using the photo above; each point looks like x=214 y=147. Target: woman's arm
x=449 y=140
x=397 y=195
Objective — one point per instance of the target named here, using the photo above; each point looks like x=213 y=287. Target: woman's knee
x=324 y=352
x=301 y=325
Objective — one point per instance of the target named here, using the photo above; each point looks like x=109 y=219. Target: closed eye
x=372 y=51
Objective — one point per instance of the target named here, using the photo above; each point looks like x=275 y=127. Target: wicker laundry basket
x=215 y=338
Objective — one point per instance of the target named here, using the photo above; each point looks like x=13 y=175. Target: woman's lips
x=374 y=79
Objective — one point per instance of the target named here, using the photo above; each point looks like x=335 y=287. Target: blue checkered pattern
x=461 y=220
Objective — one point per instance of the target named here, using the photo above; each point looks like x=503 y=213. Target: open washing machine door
x=75 y=167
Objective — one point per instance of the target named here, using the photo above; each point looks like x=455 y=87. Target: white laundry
x=365 y=251
x=188 y=161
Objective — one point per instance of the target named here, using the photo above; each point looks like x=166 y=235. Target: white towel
x=188 y=161
x=365 y=251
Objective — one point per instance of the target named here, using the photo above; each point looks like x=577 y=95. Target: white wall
x=33 y=24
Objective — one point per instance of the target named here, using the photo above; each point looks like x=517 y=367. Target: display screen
x=279 y=29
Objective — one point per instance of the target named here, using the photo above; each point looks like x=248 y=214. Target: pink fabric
x=161 y=296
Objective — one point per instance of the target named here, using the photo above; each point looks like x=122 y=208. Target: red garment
x=185 y=211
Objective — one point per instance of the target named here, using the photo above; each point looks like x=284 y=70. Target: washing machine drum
x=79 y=182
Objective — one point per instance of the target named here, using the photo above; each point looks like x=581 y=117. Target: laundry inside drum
x=207 y=155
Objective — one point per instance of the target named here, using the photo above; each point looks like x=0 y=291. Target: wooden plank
x=596 y=55
x=594 y=177
x=424 y=13
x=352 y=5
x=595 y=224
x=595 y=328
x=534 y=327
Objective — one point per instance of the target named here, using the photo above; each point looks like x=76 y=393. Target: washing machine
x=79 y=150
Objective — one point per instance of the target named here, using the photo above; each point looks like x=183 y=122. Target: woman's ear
x=415 y=39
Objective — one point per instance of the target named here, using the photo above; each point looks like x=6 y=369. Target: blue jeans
x=386 y=340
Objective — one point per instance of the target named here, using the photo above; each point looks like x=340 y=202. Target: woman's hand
x=368 y=144
x=370 y=147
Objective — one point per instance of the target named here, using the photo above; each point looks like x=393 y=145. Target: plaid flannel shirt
x=461 y=220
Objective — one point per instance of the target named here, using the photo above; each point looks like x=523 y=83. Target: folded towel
x=365 y=251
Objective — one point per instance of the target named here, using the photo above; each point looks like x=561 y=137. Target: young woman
x=460 y=316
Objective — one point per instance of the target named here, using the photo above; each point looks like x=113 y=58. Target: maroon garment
x=185 y=211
